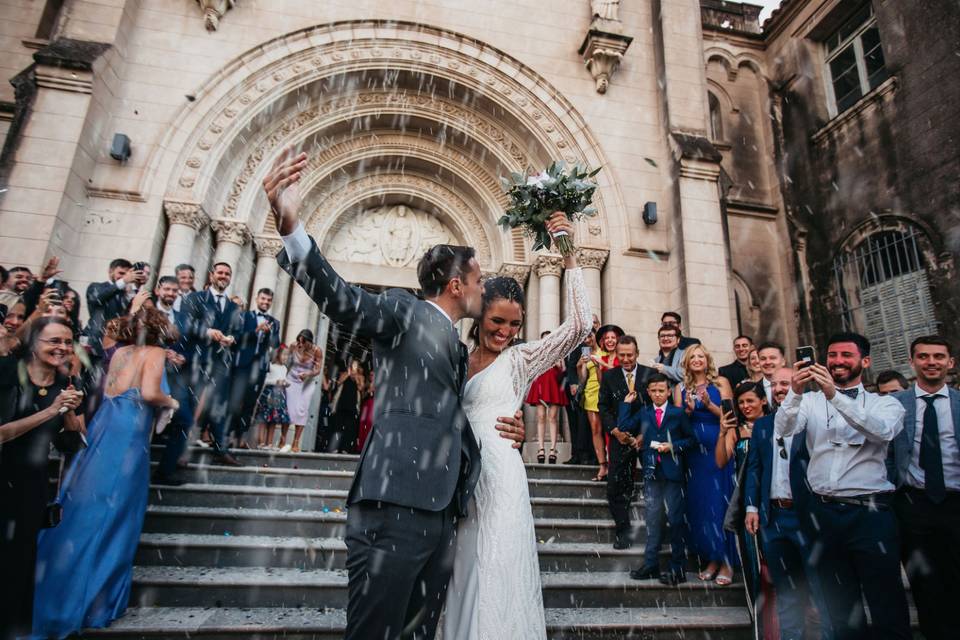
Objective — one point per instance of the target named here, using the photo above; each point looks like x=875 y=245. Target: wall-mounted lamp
x=650 y=213
x=120 y=148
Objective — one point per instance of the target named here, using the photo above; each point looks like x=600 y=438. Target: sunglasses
x=781 y=445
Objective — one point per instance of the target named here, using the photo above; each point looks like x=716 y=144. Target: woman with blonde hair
x=708 y=488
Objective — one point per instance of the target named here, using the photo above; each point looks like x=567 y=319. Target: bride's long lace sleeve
x=531 y=359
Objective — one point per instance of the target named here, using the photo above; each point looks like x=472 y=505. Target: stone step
x=343 y=462
x=212 y=623
x=247 y=587
x=340 y=480
x=318 y=524
x=286 y=499
x=179 y=549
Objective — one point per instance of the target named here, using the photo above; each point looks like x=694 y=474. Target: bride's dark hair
x=499 y=288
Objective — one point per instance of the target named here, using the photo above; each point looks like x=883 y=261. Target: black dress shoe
x=227 y=460
x=672 y=578
x=645 y=573
x=168 y=481
x=622 y=543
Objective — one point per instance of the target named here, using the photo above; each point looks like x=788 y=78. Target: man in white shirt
x=772 y=358
x=848 y=431
x=927 y=475
x=186 y=275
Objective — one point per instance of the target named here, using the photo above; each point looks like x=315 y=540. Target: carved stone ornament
x=267 y=246
x=232 y=231
x=549 y=265
x=213 y=10
x=602 y=52
x=589 y=258
x=517 y=271
x=190 y=214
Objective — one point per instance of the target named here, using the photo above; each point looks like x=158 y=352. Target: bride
x=494 y=591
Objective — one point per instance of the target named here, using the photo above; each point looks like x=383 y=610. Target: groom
x=421 y=462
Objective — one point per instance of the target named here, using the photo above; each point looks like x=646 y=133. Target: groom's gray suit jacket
x=421 y=452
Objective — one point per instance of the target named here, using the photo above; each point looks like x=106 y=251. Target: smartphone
x=806 y=356
x=139 y=266
x=585 y=352
x=726 y=406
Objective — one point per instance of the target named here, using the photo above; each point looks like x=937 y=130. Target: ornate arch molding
x=332 y=211
x=733 y=61
x=257 y=79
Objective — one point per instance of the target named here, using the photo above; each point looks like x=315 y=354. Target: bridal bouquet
x=533 y=199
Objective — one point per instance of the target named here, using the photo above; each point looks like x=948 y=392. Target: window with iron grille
x=855 y=63
x=884 y=294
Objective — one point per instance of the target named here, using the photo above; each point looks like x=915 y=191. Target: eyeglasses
x=782 y=446
x=57 y=342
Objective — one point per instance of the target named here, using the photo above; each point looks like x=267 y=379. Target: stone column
x=267 y=273
x=231 y=236
x=549 y=267
x=184 y=221
x=592 y=261
x=298 y=316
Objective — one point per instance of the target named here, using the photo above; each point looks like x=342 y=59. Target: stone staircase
x=258 y=552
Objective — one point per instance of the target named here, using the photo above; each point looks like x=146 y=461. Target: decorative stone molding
x=190 y=214
x=267 y=246
x=517 y=271
x=696 y=157
x=591 y=258
x=602 y=52
x=549 y=264
x=232 y=231
x=213 y=10
x=67 y=65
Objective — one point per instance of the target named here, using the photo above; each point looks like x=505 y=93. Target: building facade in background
x=803 y=177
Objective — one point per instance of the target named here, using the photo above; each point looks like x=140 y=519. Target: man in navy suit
x=110 y=299
x=259 y=338
x=211 y=324
x=773 y=490
x=662 y=432
x=927 y=477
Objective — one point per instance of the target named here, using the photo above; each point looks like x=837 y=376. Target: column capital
x=549 y=264
x=232 y=231
x=267 y=246
x=190 y=214
x=517 y=271
x=592 y=257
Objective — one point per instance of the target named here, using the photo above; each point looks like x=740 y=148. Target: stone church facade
x=412 y=110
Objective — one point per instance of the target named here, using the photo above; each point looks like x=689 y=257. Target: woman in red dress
x=547 y=396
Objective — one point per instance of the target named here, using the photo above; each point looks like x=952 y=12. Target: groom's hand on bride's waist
x=512 y=429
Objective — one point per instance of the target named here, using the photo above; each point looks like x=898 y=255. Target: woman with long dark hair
x=37 y=400
x=85 y=564
x=304 y=366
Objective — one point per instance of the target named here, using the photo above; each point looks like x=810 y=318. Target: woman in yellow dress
x=590 y=369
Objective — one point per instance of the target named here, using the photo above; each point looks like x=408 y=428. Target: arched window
x=716 y=120
x=884 y=294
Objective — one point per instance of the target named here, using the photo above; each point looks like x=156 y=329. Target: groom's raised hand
x=512 y=429
x=283 y=191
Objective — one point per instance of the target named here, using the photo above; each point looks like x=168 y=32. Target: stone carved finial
x=549 y=265
x=232 y=231
x=517 y=271
x=190 y=214
x=267 y=246
x=213 y=10
x=591 y=258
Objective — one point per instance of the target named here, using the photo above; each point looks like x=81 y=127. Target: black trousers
x=246 y=385
x=581 y=440
x=620 y=485
x=399 y=562
x=856 y=557
x=930 y=536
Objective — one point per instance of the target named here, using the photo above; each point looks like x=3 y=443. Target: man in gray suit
x=420 y=464
x=927 y=476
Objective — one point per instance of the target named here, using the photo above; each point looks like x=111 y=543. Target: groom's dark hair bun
x=441 y=264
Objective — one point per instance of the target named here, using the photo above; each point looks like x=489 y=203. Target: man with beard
x=848 y=431
x=927 y=475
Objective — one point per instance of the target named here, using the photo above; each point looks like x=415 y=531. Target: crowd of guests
x=815 y=488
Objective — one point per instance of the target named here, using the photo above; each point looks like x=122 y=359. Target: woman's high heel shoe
x=540 y=456
x=552 y=458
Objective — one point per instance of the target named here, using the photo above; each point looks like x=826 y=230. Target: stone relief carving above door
x=393 y=235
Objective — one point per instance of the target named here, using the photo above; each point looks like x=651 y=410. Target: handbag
x=736 y=510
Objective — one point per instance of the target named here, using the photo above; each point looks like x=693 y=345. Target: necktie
x=630 y=382
x=219 y=302
x=931 y=460
x=659 y=414
x=850 y=393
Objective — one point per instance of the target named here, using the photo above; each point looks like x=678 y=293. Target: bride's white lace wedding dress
x=495 y=588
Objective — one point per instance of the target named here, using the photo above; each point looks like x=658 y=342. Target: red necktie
x=659 y=413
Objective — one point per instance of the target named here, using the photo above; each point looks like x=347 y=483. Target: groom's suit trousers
x=399 y=560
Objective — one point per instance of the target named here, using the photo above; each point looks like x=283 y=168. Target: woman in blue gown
x=85 y=564
x=708 y=488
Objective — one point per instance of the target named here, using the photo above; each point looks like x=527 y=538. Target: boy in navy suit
x=663 y=433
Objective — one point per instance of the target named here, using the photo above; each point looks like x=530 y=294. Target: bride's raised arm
x=533 y=358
